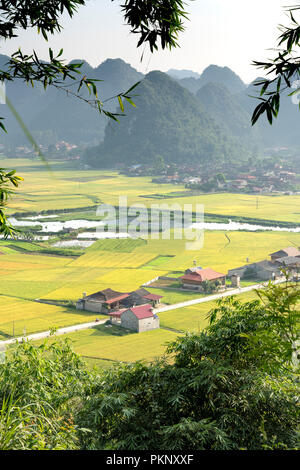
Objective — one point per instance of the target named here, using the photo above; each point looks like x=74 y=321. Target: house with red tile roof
x=197 y=279
x=103 y=301
x=140 y=318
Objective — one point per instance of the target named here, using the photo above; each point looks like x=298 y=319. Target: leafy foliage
x=38 y=390
x=7 y=178
x=155 y=19
x=232 y=386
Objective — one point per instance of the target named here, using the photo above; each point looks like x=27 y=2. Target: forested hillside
x=228 y=112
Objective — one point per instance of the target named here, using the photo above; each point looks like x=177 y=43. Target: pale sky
x=221 y=32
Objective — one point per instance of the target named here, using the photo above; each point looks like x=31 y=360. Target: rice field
x=32 y=276
x=113 y=259
x=18 y=315
x=123 y=264
x=221 y=250
x=194 y=318
x=73 y=188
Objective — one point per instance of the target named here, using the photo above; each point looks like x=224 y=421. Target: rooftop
x=201 y=275
x=107 y=295
x=289 y=251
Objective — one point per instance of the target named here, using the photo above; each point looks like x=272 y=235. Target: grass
x=113 y=259
x=17 y=314
x=194 y=318
x=116 y=344
x=69 y=188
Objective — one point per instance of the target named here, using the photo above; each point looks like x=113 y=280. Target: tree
x=7 y=179
x=232 y=386
x=153 y=21
x=39 y=389
x=285 y=68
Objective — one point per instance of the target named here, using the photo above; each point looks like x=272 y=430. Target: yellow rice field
x=18 y=314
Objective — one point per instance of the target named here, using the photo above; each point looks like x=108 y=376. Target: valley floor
x=28 y=273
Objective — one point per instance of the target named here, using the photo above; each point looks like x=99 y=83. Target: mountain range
x=179 y=114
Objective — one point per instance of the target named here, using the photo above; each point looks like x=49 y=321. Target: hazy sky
x=222 y=32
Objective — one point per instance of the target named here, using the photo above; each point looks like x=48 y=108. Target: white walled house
x=140 y=318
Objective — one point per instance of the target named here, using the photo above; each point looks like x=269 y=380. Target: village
x=245 y=178
x=136 y=310
x=275 y=174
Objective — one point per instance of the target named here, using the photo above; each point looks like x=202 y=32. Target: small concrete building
x=140 y=318
x=235 y=280
x=196 y=278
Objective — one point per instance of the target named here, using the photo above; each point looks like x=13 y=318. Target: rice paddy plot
x=108 y=342
x=159 y=261
x=126 y=245
x=74 y=290
x=175 y=296
x=129 y=277
x=105 y=259
x=27 y=289
x=32 y=259
x=194 y=318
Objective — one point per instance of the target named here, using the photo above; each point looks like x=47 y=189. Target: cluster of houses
x=133 y=310
x=247 y=178
x=285 y=260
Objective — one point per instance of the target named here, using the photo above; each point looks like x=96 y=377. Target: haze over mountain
x=285 y=130
x=55 y=115
x=215 y=74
